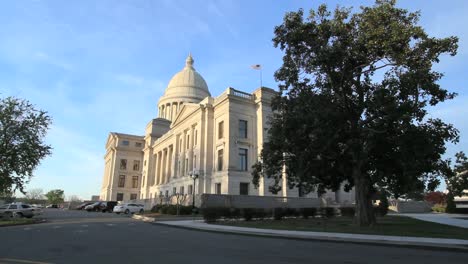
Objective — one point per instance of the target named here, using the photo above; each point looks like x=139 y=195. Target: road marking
x=23 y=261
x=84 y=225
x=80 y=231
x=27 y=229
x=55 y=227
x=110 y=224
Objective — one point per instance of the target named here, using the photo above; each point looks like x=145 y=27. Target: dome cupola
x=186 y=86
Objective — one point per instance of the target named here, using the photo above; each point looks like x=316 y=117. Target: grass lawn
x=388 y=225
x=16 y=222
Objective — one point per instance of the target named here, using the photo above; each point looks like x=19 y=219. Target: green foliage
x=439 y=208
x=211 y=214
x=171 y=209
x=457 y=180
x=278 y=213
x=22 y=132
x=55 y=196
x=451 y=208
x=382 y=209
x=335 y=122
x=248 y=213
x=308 y=212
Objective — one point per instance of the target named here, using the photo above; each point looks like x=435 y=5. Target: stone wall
x=410 y=206
x=251 y=201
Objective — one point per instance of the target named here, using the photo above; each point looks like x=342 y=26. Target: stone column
x=158 y=168
x=163 y=167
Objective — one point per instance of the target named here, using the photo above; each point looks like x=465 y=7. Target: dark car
x=82 y=206
x=109 y=206
x=101 y=206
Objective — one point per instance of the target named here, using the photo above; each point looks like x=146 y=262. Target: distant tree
x=352 y=104
x=74 y=198
x=457 y=180
x=35 y=196
x=55 y=196
x=22 y=147
x=435 y=197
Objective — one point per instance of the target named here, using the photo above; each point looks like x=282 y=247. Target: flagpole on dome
x=258 y=67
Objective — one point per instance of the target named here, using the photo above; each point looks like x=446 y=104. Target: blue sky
x=101 y=66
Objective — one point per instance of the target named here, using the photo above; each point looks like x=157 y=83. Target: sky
x=101 y=66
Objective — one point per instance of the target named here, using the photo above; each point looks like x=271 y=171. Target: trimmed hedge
x=171 y=209
x=348 y=211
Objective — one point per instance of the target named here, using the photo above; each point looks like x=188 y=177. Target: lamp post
x=194 y=176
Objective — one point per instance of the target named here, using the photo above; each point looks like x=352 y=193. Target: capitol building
x=217 y=139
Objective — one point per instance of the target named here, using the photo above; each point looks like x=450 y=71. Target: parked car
x=82 y=206
x=101 y=206
x=52 y=206
x=128 y=208
x=16 y=210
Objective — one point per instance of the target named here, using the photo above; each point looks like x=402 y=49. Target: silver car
x=16 y=210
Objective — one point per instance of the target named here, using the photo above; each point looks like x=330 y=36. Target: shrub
x=211 y=214
x=328 y=212
x=383 y=205
x=308 y=212
x=260 y=213
x=278 y=213
x=291 y=212
x=348 y=211
x=439 y=208
x=248 y=213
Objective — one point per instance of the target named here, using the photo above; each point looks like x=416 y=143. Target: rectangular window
x=167 y=193
x=136 y=165
x=218 y=188
x=123 y=164
x=174 y=190
x=194 y=161
x=186 y=166
x=190 y=189
x=195 y=138
x=120 y=197
x=122 y=181
x=220 y=129
x=138 y=144
x=244 y=188
x=125 y=143
x=242 y=129
x=181 y=146
x=181 y=191
x=188 y=141
x=133 y=196
x=220 y=160
x=135 y=182
x=243 y=159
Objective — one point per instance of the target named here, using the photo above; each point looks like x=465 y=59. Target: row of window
x=243 y=188
x=122 y=181
x=120 y=196
x=127 y=143
x=243 y=158
x=123 y=164
x=242 y=129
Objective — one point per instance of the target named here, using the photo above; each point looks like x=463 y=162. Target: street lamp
x=194 y=176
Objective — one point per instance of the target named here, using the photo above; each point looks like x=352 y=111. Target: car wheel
x=127 y=211
x=17 y=215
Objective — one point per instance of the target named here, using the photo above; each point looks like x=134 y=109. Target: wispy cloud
x=43 y=57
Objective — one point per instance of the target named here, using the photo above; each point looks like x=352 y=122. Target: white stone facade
x=217 y=138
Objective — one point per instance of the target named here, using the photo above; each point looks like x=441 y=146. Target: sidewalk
x=441 y=218
x=440 y=243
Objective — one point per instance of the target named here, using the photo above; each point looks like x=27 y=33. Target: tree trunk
x=364 y=210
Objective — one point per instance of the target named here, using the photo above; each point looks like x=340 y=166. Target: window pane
x=125 y=143
x=243 y=159
x=242 y=129
x=218 y=188
x=220 y=129
x=122 y=181
x=244 y=188
x=135 y=182
x=136 y=165
x=119 y=196
x=220 y=160
x=123 y=164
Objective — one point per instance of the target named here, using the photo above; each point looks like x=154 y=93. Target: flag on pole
x=256 y=67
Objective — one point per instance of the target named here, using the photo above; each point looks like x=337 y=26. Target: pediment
x=186 y=110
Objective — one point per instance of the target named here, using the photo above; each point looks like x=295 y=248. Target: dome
x=186 y=86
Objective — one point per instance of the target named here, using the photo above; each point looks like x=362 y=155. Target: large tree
x=352 y=104
x=457 y=180
x=22 y=147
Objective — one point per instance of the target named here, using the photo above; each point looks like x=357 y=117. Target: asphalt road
x=81 y=237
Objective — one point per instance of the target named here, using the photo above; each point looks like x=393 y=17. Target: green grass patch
x=17 y=222
x=388 y=225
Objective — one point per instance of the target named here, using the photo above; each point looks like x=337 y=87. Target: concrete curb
x=414 y=242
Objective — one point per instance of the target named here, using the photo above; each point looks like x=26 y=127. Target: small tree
x=55 y=196
x=22 y=147
x=180 y=200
